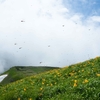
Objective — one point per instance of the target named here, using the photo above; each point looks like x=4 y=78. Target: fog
x=45 y=33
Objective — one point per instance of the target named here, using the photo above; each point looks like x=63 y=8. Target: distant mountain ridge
x=18 y=72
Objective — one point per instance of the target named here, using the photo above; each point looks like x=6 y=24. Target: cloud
x=2 y=1
x=95 y=18
x=49 y=34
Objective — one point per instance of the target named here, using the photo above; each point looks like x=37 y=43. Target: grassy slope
x=76 y=82
x=19 y=72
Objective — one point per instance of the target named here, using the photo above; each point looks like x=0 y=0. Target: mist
x=45 y=33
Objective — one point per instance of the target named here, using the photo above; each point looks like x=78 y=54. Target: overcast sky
x=48 y=32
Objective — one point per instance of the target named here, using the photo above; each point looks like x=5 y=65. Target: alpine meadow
x=79 y=81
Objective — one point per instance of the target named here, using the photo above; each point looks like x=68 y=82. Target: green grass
x=18 y=72
x=76 y=82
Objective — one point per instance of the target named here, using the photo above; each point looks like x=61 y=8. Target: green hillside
x=75 y=82
x=19 y=72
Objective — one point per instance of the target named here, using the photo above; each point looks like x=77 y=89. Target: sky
x=48 y=32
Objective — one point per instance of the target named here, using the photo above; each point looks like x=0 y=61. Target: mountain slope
x=19 y=72
x=76 y=82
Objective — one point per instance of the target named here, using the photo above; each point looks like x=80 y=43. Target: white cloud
x=50 y=34
x=1 y=1
x=95 y=18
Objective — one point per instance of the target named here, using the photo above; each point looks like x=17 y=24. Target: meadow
x=79 y=81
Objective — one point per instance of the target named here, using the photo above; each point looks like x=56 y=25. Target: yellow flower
x=30 y=99
x=24 y=89
x=75 y=81
x=18 y=98
x=71 y=74
x=82 y=70
x=42 y=82
x=41 y=88
x=50 y=84
x=98 y=74
x=75 y=84
x=85 y=81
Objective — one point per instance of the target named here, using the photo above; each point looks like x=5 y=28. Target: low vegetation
x=80 y=81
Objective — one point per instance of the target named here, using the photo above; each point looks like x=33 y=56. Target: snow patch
x=2 y=77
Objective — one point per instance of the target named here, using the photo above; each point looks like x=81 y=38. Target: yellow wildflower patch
x=24 y=89
x=50 y=84
x=71 y=74
x=98 y=74
x=18 y=98
x=75 y=84
x=41 y=88
x=82 y=70
x=85 y=81
x=42 y=83
x=30 y=99
x=75 y=81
